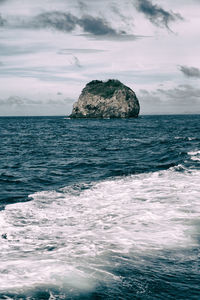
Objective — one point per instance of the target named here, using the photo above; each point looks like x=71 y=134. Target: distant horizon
x=68 y=116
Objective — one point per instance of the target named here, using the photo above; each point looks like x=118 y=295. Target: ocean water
x=100 y=209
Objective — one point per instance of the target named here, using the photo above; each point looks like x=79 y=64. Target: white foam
x=195 y=158
x=195 y=155
x=67 y=240
x=194 y=152
x=191 y=138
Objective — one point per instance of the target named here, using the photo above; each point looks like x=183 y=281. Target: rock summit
x=109 y=99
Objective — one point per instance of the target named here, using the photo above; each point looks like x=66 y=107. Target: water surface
x=100 y=209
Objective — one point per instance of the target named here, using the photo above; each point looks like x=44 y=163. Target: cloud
x=156 y=14
x=115 y=38
x=70 y=51
x=177 y=100
x=15 y=100
x=182 y=93
x=76 y=62
x=9 y=50
x=63 y=21
x=2 y=21
x=55 y=20
x=68 y=22
x=96 y=26
x=82 y=6
x=21 y=101
x=20 y=106
x=190 y=71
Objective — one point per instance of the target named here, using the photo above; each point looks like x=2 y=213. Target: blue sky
x=50 y=49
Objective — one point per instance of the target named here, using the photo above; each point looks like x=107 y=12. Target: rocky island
x=109 y=99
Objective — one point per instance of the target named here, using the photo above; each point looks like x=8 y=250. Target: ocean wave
x=195 y=155
x=71 y=240
x=194 y=152
x=184 y=138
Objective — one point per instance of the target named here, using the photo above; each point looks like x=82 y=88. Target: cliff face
x=110 y=99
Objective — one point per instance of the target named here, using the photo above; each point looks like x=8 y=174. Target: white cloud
x=40 y=63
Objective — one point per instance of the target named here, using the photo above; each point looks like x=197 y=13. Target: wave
x=185 y=138
x=195 y=155
x=71 y=239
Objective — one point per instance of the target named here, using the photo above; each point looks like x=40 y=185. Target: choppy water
x=100 y=209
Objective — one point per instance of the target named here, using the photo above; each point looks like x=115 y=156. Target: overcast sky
x=49 y=50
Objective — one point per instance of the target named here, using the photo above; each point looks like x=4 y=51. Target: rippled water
x=100 y=209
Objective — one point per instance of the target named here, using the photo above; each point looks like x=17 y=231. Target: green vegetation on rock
x=104 y=89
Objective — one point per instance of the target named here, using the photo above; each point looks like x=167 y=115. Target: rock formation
x=110 y=99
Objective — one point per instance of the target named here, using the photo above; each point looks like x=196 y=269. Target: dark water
x=100 y=209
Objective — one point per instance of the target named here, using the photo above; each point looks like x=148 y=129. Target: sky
x=50 y=49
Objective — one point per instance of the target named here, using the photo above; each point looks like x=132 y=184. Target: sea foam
x=195 y=155
x=70 y=240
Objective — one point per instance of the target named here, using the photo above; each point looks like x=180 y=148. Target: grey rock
x=110 y=99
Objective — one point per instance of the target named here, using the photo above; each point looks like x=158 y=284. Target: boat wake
x=74 y=239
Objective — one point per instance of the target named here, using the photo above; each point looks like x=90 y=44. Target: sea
x=100 y=209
